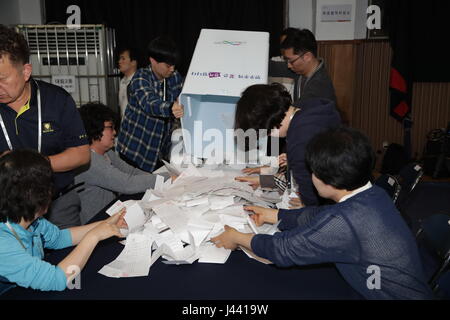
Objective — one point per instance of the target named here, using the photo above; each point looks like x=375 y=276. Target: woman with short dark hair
x=107 y=175
x=270 y=107
x=25 y=196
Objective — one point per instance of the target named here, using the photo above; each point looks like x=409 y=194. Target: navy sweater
x=365 y=230
x=315 y=115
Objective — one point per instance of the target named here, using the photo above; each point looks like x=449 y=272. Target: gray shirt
x=106 y=177
x=318 y=85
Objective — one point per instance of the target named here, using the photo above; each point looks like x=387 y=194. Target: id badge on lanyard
x=5 y=132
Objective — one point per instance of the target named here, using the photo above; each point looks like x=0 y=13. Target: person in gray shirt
x=106 y=176
x=299 y=51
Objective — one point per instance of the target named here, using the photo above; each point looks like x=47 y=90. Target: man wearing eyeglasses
x=299 y=50
x=153 y=108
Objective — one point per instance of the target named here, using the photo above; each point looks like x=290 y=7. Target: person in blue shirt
x=25 y=196
x=144 y=137
x=363 y=234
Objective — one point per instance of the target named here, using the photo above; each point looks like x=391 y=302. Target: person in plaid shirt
x=152 y=109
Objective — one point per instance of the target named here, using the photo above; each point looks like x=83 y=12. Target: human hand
x=253 y=181
x=227 y=239
x=177 y=110
x=252 y=170
x=282 y=160
x=261 y=215
x=295 y=202
x=4 y=153
x=110 y=227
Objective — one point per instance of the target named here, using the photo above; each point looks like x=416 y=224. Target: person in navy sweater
x=363 y=234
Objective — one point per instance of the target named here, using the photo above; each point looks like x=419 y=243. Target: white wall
x=307 y=14
x=301 y=14
x=21 y=12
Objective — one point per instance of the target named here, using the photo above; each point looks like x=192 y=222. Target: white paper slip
x=172 y=216
x=135 y=217
x=212 y=254
x=197 y=202
x=149 y=196
x=159 y=183
x=252 y=225
x=116 y=207
x=171 y=168
x=218 y=203
x=133 y=261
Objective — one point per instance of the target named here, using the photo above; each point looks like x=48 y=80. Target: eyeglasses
x=291 y=62
x=109 y=127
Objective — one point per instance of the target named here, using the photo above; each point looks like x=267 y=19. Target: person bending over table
x=363 y=234
x=25 y=196
x=270 y=107
x=107 y=175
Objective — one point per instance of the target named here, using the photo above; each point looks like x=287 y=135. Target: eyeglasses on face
x=291 y=62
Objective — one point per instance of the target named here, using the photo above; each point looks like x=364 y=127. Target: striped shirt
x=145 y=130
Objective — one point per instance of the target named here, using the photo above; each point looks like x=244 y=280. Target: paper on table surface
x=116 y=207
x=133 y=261
x=135 y=217
x=212 y=254
x=172 y=216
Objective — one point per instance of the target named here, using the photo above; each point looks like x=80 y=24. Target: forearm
x=244 y=239
x=76 y=260
x=70 y=159
x=78 y=233
x=154 y=106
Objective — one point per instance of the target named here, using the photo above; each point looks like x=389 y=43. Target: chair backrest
x=410 y=176
x=390 y=184
x=435 y=231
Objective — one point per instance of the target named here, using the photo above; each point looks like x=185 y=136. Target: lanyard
x=15 y=235
x=5 y=132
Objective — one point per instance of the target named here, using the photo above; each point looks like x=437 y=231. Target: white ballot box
x=224 y=64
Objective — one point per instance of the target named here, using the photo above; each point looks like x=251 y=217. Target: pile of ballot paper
x=176 y=220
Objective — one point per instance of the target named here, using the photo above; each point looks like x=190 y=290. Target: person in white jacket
x=107 y=176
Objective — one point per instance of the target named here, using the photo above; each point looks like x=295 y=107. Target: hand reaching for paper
x=253 y=181
x=262 y=215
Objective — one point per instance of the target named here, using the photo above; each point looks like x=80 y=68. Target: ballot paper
x=212 y=254
x=284 y=204
x=219 y=202
x=183 y=216
x=135 y=217
x=173 y=217
x=133 y=261
x=116 y=207
x=173 y=170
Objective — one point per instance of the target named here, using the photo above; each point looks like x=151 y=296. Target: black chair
x=390 y=184
x=409 y=176
x=434 y=234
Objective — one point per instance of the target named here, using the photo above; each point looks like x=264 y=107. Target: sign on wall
x=336 y=13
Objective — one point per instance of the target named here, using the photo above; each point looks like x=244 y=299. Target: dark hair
x=262 y=106
x=290 y=32
x=301 y=41
x=94 y=116
x=163 y=49
x=25 y=185
x=132 y=52
x=341 y=157
x=14 y=45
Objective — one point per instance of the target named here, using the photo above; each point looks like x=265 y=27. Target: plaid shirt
x=145 y=130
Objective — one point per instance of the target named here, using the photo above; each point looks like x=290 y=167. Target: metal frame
x=86 y=53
